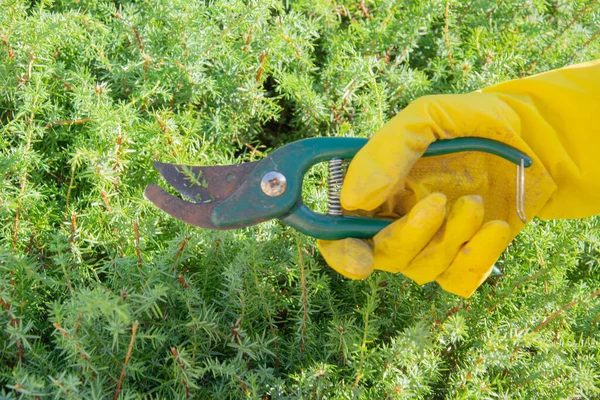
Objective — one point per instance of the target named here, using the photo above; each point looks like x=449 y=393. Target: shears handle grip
x=329 y=227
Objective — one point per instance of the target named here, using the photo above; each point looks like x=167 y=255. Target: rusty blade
x=205 y=184
x=190 y=213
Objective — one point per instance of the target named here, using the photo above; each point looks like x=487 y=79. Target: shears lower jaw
x=235 y=196
x=196 y=214
x=205 y=187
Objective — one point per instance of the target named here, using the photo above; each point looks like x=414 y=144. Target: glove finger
x=465 y=219
x=397 y=244
x=474 y=262
x=350 y=257
x=385 y=161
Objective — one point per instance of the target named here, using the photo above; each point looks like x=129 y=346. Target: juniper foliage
x=102 y=295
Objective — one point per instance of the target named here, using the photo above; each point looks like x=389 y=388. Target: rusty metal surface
x=205 y=184
x=191 y=213
x=206 y=187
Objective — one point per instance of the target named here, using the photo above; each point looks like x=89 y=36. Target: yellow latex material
x=552 y=117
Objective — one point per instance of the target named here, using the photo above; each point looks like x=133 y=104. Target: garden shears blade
x=236 y=196
x=205 y=187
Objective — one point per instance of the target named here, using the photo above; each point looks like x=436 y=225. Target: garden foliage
x=104 y=296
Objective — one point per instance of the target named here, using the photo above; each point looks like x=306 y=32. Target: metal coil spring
x=335 y=180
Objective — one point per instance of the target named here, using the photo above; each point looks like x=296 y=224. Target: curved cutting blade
x=191 y=213
x=198 y=214
x=205 y=184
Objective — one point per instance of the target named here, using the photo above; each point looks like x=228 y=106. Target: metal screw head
x=273 y=184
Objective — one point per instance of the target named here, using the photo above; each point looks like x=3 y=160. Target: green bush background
x=93 y=277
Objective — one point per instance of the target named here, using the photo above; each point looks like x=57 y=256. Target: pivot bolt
x=273 y=184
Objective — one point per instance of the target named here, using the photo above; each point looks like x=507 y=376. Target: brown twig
x=139 y=39
x=544 y=270
x=304 y=298
x=364 y=9
x=70 y=187
x=268 y=312
x=23 y=182
x=516 y=285
x=596 y=319
x=494 y=9
x=454 y=310
x=68 y=122
x=73 y=228
x=563 y=309
x=127 y=357
x=25 y=79
x=363 y=346
x=66 y=335
x=182 y=366
x=185 y=47
x=11 y=53
x=104 y=196
x=263 y=58
x=119 y=149
x=182 y=282
x=291 y=42
x=586 y=43
x=136 y=232
x=247 y=41
x=254 y=151
x=180 y=250
x=447 y=33
x=242 y=384
x=554 y=315
x=464 y=13
x=161 y=123
x=175 y=92
x=18 y=213
x=14 y=322
x=555 y=39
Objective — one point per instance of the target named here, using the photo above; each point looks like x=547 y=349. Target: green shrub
x=102 y=295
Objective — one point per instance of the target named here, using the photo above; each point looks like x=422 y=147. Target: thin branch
x=447 y=33
x=127 y=357
x=73 y=229
x=464 y=13
x=63 y=122
x=136 y=232
x=70 y=187
x=269 y=319
x=555 y=39
x=66 y=335
x=119 y=148
x=139 y=39
x=363 y=345
x=180 y=250
x=563 y=309
x=304 y=298
x=22 y=193
x=586 y=44
x=182 y=366
x=263 y=58
x=14 y=322
x=365 y=10
x=554 y=315
x=544 y=270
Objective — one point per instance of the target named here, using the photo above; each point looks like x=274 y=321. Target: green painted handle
x=249 y=205
x=327 y=227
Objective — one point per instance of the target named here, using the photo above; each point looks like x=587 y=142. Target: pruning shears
x=236 y=196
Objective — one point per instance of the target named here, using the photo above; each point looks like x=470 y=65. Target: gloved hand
x=457 y=213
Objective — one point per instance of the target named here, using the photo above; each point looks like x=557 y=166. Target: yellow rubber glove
x=457 y=213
